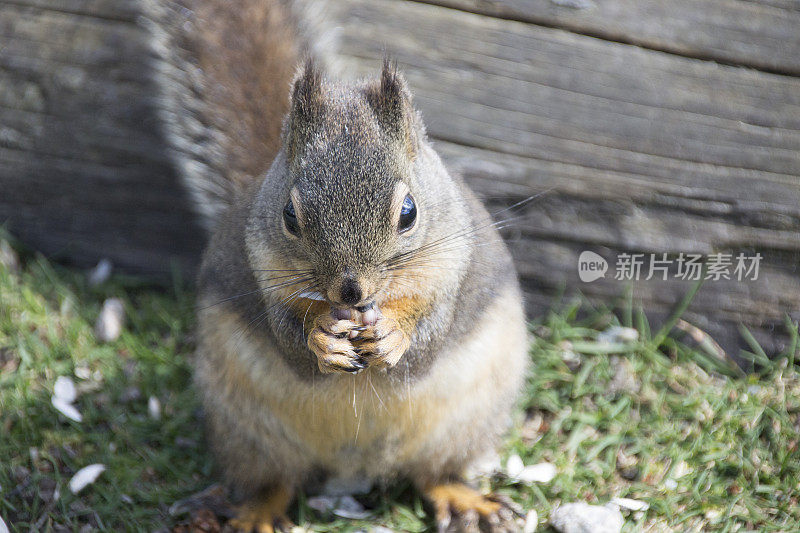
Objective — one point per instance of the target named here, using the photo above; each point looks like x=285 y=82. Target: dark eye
x=290 y=218
x=408 y=214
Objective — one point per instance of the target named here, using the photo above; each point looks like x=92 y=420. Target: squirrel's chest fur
x=366 y=424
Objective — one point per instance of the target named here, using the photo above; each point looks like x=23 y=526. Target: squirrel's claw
x=328 y=341
x=264 y=515
x=382 y=344
x=460 y=509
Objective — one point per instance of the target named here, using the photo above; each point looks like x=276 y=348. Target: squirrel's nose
x=350 y=292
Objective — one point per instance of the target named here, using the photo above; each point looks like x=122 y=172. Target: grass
x=653 y=419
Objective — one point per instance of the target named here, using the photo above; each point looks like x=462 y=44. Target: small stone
x=670 y=484
x=585 y=518
x=100 y=273
x=109 y=323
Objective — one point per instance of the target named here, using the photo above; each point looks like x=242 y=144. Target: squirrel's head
x=354 y=195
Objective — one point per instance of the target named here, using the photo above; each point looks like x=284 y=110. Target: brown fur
x=247 y=51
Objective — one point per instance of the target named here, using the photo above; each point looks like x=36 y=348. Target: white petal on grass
x=3 y=526
x=630 y=504
x=581 y=518
x=343 y=506
x=100 y=273
x=64 y=389
x=538 y=473
x=85 y=476
x=531 y=522
x=109 y=323
x=514 y=466
x=616 y=334
x=670 y=484
x=154 y=408
x=66 y=409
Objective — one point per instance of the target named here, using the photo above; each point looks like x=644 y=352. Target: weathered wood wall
x=653 y=126
x=84 y=172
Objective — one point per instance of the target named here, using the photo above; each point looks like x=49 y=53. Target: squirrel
x=360 y=318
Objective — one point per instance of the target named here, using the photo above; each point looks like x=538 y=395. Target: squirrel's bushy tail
x=225 y=71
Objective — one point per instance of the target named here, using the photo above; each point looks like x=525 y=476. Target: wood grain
x=762 y=35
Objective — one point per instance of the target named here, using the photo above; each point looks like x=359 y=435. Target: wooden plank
x=640 y=151
x=85 y=170
x=762 y=35
x=614 y=212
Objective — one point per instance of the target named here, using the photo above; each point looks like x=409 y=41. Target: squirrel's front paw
x=383 y=343
x=329 y=342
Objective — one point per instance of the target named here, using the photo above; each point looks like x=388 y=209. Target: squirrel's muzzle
x=349 y=289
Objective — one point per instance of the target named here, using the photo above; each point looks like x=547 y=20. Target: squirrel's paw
x=382 y=344
x=460 y=509
x=329 y=342
x=264 y=515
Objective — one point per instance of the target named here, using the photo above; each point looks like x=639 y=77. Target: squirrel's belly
x=366 y=425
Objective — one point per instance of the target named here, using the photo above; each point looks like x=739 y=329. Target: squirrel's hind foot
x=460 y=509
x=265 y=513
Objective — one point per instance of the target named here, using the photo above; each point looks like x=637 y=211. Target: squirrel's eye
x=290 y=218
x=408 y=214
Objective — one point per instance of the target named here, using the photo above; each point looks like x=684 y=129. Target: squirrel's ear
x=306 y=109
x=391 y=101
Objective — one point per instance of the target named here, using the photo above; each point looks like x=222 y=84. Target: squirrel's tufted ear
x=307 y=103
x=391 y=101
